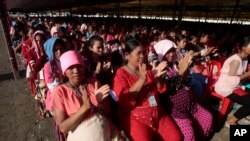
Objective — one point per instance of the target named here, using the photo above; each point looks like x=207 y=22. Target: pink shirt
x=65 y=99
x=52 y=73
x=50 y=78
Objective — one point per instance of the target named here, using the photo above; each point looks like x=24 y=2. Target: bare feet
x=228 y=123
x=232 y=121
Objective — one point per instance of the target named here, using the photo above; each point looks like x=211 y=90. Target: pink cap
x=70 y=58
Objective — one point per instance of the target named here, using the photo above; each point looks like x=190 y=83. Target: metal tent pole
x=175 y=6
x=139 y=11
x=235 y=8
x=181 y=10
x=5 y=25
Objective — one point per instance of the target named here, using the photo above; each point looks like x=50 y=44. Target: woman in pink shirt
x=52 y=71
x=74 y=112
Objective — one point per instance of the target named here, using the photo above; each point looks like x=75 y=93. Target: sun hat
x=70 y=58
x=162 y=47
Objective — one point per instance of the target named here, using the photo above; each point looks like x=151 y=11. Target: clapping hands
x=101 y=92
x=185 y=62
x=160 y=69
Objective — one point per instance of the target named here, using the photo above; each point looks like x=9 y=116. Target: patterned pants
x=188 y=128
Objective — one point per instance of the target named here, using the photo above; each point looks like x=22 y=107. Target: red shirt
x=137 y=106
x=38 y=62
x=26 y=48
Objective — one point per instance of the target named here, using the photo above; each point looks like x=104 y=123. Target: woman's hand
x=102 y=92
x=67 y=123
x=98 y=67
x=106 y=65
x=196 y=54
x=142 y=71
x=185 y=62
x=85 y=97
x=160 y=69
x=209 y=50
x=32 y=47
x=42 y=52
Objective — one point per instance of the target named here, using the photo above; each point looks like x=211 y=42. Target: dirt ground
x=19 y=118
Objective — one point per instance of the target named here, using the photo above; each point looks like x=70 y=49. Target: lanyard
x=78 y=92
x=171 y=72
x=134 y=72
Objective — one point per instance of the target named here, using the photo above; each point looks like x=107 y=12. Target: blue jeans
x=198 y=84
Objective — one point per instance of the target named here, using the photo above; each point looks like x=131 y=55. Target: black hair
x=160 y=31
x=61 y=42
x=63 y=30
x=93 y=39
x=43 y=36
x=126 y=38
x=180 y=37
x=192 y=37
x=31 y=28
x=131 y=44
x=244 y=42
x=202 y=34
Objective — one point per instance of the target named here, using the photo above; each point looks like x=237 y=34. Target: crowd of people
x=115 y=81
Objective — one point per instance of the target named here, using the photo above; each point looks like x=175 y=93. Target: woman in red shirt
x=27 y=44
x=137 y=90
x=35 y=56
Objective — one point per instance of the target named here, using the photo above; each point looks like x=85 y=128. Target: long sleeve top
x=137 y=106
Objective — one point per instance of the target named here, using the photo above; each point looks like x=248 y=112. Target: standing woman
x=53 y=77
x=74 y=113
x=137 y=90
x=54 y=48
x=99 y=65
x=27 y=44
x=36 y=57
x=233 y=73
x=181 y=103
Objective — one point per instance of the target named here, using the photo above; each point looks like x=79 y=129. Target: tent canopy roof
x=192 y=8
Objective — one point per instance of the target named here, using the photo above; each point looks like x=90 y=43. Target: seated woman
x=198 y=80
x=137 y=90
x=233 y=73
x=183 y=108
x=74 y=113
